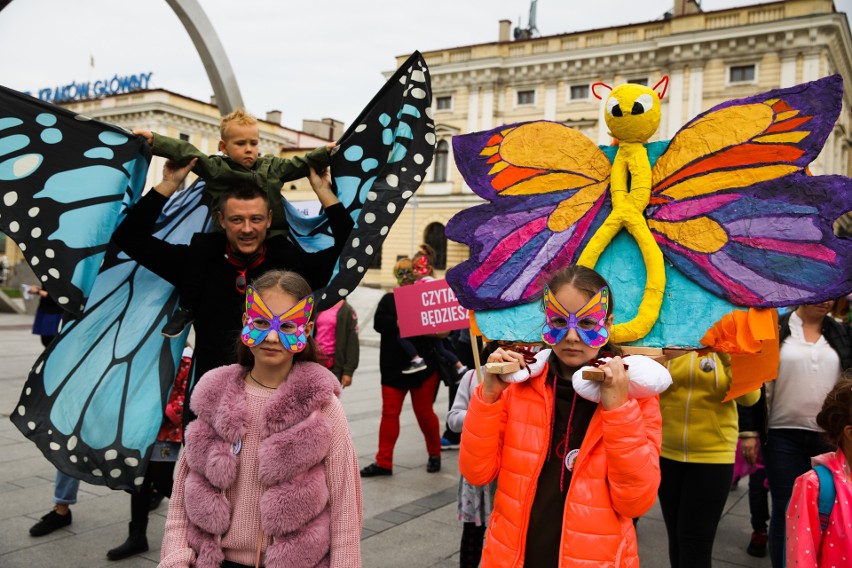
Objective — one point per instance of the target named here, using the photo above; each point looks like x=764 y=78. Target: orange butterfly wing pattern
x=732 y=207
x=546 y=184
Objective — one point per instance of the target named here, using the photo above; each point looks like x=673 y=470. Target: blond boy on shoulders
x=239 y=162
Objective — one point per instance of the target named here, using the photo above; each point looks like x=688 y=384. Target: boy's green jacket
x=221 y=172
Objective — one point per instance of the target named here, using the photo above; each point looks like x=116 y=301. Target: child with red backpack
x=819 y=517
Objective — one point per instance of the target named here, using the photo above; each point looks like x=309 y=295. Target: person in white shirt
x=815 y=350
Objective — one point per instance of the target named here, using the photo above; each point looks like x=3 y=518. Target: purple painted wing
x=774 y=242
x=546 y=184
x=732 y=208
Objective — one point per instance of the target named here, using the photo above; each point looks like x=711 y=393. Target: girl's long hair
x=285 y=281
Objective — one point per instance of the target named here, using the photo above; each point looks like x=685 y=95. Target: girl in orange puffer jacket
x=571 y=473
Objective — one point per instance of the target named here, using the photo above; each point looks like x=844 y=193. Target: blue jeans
x=787 y=455
x=65 y=489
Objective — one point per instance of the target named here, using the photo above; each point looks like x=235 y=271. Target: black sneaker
x=447 y=444
x=415 y=367
x=177 y=323
x=374 y=470
x=757 y=545
x=434 y=464
x=50 y=522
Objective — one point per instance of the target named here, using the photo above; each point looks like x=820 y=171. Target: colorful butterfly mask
x=290 y=325
x=421 y=266
x=589 y=321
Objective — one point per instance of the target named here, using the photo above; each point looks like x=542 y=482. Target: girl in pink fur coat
x=808 y=545
x=269 y=475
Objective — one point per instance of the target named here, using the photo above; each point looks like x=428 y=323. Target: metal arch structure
x=212 y=53
x=209 y=48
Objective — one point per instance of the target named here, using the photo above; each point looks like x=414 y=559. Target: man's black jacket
x=207 y=281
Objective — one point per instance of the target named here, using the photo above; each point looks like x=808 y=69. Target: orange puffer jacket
x=615 y=477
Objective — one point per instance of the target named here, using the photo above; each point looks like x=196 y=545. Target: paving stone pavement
x=409 y=518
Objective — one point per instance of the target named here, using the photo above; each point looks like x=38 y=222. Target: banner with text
x=428 y=307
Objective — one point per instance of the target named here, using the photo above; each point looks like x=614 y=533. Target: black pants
x=470 y=551
x=453 y=437
x=158 y=477
x=692 y=498
x=758 y=500
x=786 y=455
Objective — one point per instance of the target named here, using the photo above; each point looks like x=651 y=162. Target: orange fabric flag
x=752 y=340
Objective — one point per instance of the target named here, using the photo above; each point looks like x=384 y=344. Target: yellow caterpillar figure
x=632 y=113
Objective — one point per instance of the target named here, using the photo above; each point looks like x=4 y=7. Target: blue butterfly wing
x=65 y=181
x=379 y=163
x=311 y=233
x=93 y=402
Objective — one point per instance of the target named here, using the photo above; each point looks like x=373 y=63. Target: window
x=639 y=81
x=444 y=103
x=742 y=74
x=184 y=137
x=435 y=238
x=579 y=92
x=442 y=155
x=526 y=97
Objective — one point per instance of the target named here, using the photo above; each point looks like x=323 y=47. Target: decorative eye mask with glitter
x=589 y=321
x=405 y=276
x=290 y=325
x=421 y=266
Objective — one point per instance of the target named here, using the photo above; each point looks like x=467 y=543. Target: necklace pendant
x=570 y=458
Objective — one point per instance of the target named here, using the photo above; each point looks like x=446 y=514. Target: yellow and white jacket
x=697 y=426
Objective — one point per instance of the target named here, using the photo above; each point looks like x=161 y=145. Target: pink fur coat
x=296 y=438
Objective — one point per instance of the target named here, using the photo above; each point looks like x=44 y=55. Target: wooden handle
x=503 y=367
x=655 y=353
x=474 y=347
x=594 y=375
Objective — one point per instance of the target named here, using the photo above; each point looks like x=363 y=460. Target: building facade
x=709 y=57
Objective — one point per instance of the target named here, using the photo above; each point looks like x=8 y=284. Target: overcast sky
x=308 y=59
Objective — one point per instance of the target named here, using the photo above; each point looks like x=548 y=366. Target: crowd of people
x=556 y=469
